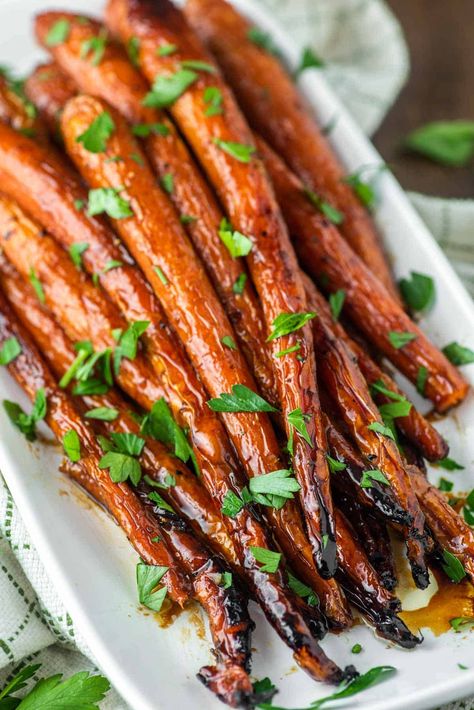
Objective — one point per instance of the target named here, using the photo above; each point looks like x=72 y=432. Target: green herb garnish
x=58 y=33
x=121 y=456
x=37 y=285
x=94 y=139
x=453 y=567
x=418 y=291
x=287 y=323
x=76 y=251
x=239 y=284
x=10 y=350
x=148 y=579
x=143 y=130
x=236 y=242
x=239 y=151
x=458 y=354
x=267 y=558
x=94 y=48
x=104 y=414
x=373 y=475
x=399 y=339
x=26 y=423
x=447 y=142
x=108 y=200
x=327 y=209
x=72 y=445
x=167 y=89
x=213 y=99
x=242 y=399
x=336 y=301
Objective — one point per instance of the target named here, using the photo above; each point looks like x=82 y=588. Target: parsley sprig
x=94 y=139
x=26 y=423
x=148 y=579
x=242 y=399
x=236 y=242
x=121 y=457
x=10 y=350
x=287 y=323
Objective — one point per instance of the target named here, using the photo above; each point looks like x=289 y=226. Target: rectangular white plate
x=89 y=559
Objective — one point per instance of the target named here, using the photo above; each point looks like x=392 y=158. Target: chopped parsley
x=309 y=60
x=167 y=183
x=332 y=214
x=229 y=342
x=159 y=272
x=213 y=99
x=143 y=130
x=72 y=445
x=104 y=414
x=239 y=284
x=236 y=242
x=458 y=354
x=76 y=251
x=242 y=399
x=263 y=39
x=287 y=323
x=381 y=429
x=164 y=50
x=26 y=423
x=418 y=291
x=94 y=48
x=275 y=488
x=398 y=339
x=447 y=142
x=10 y=350
x=298 y=420
x=133 y=51
x=108 y=200
x=336 y=302
x=160 y=425
x=167 y=89
x=287 y=351
x=37 y=285
x=421 y=377
x=94 y=139
x=239 y=151
x=371 y=475
x=148 y=579
x=269 y=560
x=121 y=456
x=198 y=65
x=453 y=567
x=302 y=590
x=58 y=33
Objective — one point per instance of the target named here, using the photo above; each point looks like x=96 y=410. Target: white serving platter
x=92 y=564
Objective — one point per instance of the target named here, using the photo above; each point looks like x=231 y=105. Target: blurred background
x=439 y=34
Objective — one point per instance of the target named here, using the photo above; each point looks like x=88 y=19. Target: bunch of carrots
x=170 y=218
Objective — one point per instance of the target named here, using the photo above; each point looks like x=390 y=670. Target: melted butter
x=449 y=601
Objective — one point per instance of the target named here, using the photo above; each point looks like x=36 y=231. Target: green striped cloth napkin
x=367 y=71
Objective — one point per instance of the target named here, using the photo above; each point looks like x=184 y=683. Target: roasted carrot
x=32 y=374
x=332 y=263
x=224 y=146
x=48 y=88
x=119 y=83
x=349 y=391
x=275 y=108
x=187 y=495
x=20 y=113
x=419 y=431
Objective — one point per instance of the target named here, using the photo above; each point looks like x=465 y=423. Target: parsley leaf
x=462 y=623
x=94 y=139
x=143 y=130
x=336 y=301
x=167 y=89
x=364 y=190
x=302 y=590
x=213 y=98
x=108 y=200
x=148 y=578
x=327 y=209
x=198 y=65
x=458 y=354
x=239 y=151
x=133 y=51
x=58 y=33
x=418 y=291
x=160 y=425
x=298 y=420
x=286 y=323
x=398 y=338
x=334 y=464
x=236 y=242
x=446 y=142
x=17 y=683
x=421 y=377
x=120 y=457
x=372 y=475
x=445 y=485
x=226 y=580
x=378 y=386
x=187 y=219
x=381 y=429
x=104 y=414
x=232 y=504
x=167 y=183
x=268 y=559
x=37 y=285
x=95 y=47
x=76 y=251
x=160 y=501
x=165 y=50
x=10 y=350
x=450 y=464
x=72 y=445
x=229 y=342
x=263 y=39
x=26 y=423
x=159 y=272
x=357 y=685
x=453 y=567
x=392 y=410
x=127 y=342
x=239 y=284
x=79 y=692
x=309 y=60
x=242 y=399
x=468 y=509
x=356 y=648
x=287 y=351
x=275 y=488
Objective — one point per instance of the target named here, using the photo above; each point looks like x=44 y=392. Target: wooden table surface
x=439 y=34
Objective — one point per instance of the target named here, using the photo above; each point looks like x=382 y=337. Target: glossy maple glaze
x=50 y=183
x=275 y=108
x=323 y=253
x=245 y=192
x=49 y=89
x=118 y=82
x=156 y=239
x=31 y=373
x=419 y=431
x=348 y=389
x=188 y=496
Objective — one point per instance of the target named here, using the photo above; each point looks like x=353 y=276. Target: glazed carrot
x=116 y=80
x=348 y=389
x=224 y=146
x=48 y=88
x=419 y=431
x=188 y=496
x=275 y=108
x=447 y=526
x=19 y=113
x=51 y=183
x=332 y=263
x=32 y=374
